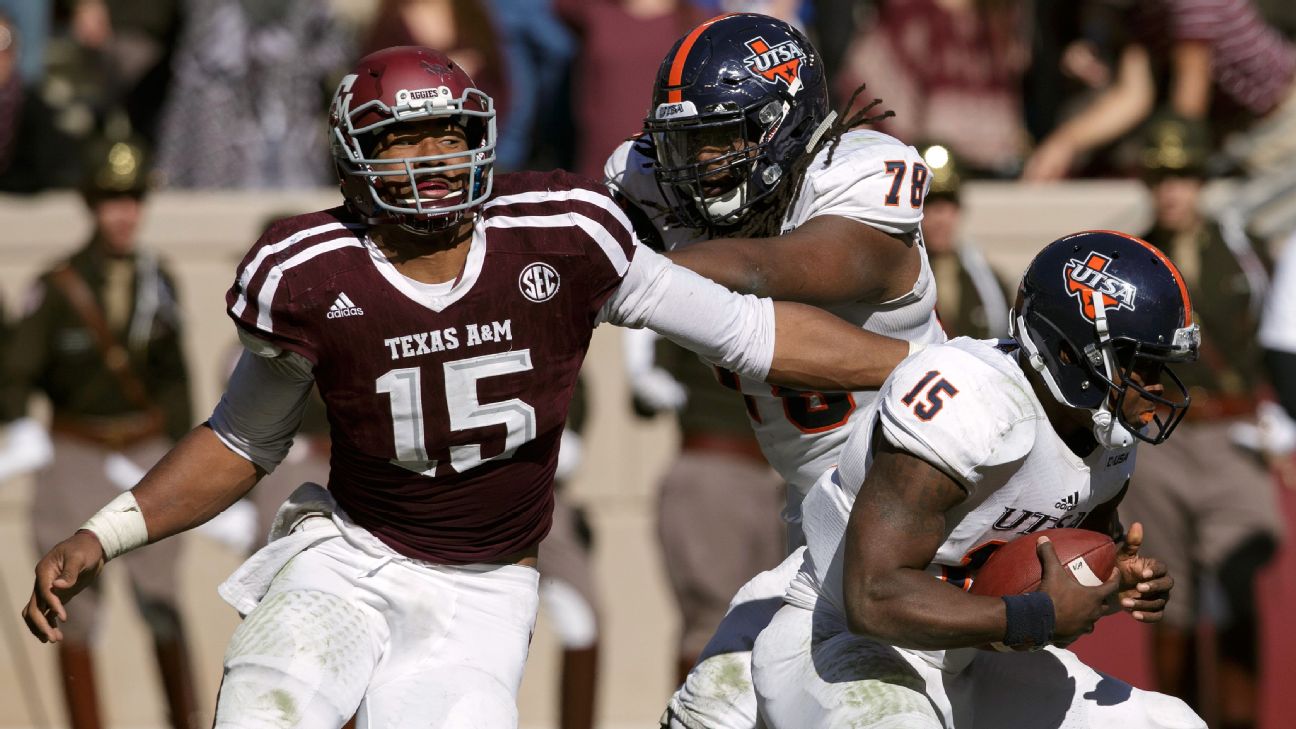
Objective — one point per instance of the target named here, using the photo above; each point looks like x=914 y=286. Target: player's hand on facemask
x=70 y=567
x=1076 y=607
x=1145 y=582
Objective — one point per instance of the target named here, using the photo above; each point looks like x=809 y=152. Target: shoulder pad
x=962 y=406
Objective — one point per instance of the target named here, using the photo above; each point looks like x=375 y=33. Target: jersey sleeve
x=958 y=413
x=628 y=174
x=261 y=301
x=608 y=236
x=735 y=331
x=873 y=179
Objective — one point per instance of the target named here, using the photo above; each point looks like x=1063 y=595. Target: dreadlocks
x=768 y=220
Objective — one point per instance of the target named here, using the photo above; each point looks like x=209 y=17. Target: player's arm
x=789 y=344
x=1117 y=110
x=814 y=350
x=829 y=259
x=209 y=469
x=895 y=529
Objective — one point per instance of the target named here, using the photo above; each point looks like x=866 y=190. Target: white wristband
x=119 y=526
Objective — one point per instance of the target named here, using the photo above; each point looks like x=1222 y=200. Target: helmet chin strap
x=1108 y=429
x=1017 y=327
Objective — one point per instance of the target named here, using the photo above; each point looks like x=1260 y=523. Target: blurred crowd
x=116 y=97
x=232 y=93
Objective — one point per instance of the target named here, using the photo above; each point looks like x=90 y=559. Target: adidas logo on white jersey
x=344 y=306
x=1067 y=503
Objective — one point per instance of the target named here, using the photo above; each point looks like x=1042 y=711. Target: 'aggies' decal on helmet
x=1084 y=279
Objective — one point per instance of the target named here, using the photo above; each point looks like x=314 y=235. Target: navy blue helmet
x=1096 y=306
x=736 y=102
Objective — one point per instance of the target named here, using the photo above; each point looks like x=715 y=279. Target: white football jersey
x=874 y=179
x=967 y=408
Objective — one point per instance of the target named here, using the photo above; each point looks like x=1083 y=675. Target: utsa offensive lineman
x=970 y=445
x=444 y=314
x=741 y=149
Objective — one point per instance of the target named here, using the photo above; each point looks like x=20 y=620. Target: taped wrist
x=119 y=526
x=1030 y=619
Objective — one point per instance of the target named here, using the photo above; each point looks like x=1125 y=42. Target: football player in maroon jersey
x=443 y=313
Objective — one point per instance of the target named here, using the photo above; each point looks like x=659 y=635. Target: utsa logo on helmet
x=779 y=63
x=1084 y=279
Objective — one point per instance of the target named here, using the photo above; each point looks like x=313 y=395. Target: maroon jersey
x=446 y=406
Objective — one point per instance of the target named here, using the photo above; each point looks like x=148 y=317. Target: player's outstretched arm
x=814 y=350
x=896 y=526
x=213 y=466
x=827 y=260
x=788 y=344
x=197 y=479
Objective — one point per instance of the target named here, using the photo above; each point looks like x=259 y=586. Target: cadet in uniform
x=100 y=337
x=970 y=298
x=1209 y=507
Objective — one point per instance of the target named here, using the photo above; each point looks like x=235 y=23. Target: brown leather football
x=1014 y=568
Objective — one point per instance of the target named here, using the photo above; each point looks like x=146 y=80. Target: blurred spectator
x=1281 y=14
x=128 y=44
x=1207 y=59
x=1278 y=334
x=792 y=12
x=11 y=92
x=621 y=45
x=100 y=337
x=718 y=509
x=248 y=103
x=1209 y=509
x=833 y=26
x=568 y=593
x=462 y=29
x=971 y=298
x=951 y=70
x=1278 y=337
x=31 y=19
x=539 y=50
x=43 y=125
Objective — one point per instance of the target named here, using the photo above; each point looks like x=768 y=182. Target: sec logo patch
x=538 y=282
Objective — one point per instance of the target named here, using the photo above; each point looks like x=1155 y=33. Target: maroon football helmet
x=403 y=84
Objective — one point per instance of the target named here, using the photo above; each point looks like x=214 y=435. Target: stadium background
x=205 y=233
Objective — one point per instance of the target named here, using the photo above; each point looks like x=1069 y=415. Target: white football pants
x=718 y=693
x=811 y=672
x=402 y=643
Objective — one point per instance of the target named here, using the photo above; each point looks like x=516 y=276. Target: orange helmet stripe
x=681 y=56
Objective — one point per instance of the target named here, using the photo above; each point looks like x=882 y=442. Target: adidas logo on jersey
x=344 y=306
x=1067 y=503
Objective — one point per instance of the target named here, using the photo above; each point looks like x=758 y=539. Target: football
x=1014 y=568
